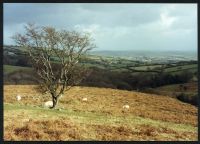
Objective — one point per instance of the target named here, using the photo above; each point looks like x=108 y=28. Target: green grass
x=181 y=68
x=94 y=65
x=146 y=67
x=174 y=70
x=192 y=70
x=10 y=68
x=169 y=87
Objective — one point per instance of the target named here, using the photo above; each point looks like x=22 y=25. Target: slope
x=150 y=117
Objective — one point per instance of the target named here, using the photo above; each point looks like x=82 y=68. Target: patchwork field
x=150 y=117
x=10 y=68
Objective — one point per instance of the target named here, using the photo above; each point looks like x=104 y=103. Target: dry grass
x=44 y=130
x=150 y=117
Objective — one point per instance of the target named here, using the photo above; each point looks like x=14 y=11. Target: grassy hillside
x=10 y=68
x=150 y=117
x=180 y=68
x=191 y=87
x=173 y=89
x=187 y=92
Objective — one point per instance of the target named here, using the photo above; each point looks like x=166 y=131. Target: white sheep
x=48 y=104
x=126 y=106
x=18 y=97
x=84 y=99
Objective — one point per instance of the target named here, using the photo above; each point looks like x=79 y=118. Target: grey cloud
x=114 y=26
x=107 y=15
x=123 y=14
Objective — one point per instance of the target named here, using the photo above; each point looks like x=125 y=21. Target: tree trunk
x=55 y=102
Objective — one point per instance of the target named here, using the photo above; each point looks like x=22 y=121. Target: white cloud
x=167 y=20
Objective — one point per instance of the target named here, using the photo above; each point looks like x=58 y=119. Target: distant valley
x=151 y=56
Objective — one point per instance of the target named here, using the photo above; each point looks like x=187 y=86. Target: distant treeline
x=99 y=77
x=109 y=79
x=16 y=60
x=129 y=81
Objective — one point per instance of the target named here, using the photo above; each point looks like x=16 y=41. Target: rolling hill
x=150 y=117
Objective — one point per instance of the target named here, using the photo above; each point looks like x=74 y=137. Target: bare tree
x=46 y=44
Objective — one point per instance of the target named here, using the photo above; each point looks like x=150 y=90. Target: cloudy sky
x=113 y=26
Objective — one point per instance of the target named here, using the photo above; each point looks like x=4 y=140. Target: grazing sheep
x=126 y=106
x=84 y=99
x=18 y=97
x=48 y=104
